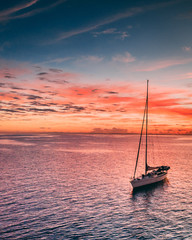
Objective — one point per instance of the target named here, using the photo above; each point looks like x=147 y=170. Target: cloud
x=38 y=103
x=8 y=110
x=128 y=13
x=17 y=88
x=57 y=76
x=2 y=85
x=17 y=8
x=117 y=99
x=161 y=64
x=75 y=108
x=116 y=17
x=87 y=104
x=32 y=97
x=93 y=59
x=112 y=31
x=187 y=75
x=108 y=130
x=127 y=58
x=55 y=70
x=111 y=92
x=37 y=90
x=12 y=72
x=42 y=73
x=8 y=75
x=124 y=35
x=54 y=81
x=12 y=13
x=57 y=60
x=186 y=48
x=104 y=32
x=42 y=110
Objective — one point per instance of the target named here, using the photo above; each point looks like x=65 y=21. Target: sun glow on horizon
x=69 y=105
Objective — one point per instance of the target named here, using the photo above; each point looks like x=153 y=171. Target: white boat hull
x=148 y=180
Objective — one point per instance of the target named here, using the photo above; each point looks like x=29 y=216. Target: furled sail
x=151 y=168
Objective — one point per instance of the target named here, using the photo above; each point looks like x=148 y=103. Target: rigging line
x=140 y=139
x=152 y=155
x=146 y=128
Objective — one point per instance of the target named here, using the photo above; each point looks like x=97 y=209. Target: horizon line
x=107 y=133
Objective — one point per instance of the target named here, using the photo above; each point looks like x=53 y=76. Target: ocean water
x=65 y=186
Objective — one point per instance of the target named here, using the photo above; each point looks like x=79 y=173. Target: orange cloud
x=72 y=106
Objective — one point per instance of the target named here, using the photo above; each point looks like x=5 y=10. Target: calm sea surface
x=77 y=187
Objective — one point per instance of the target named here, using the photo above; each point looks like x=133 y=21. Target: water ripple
x=77 y=187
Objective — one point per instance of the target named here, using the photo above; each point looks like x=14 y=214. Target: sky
x=81 y=66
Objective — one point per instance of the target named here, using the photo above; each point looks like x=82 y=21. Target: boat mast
x=140 y=142
x=146 y=128
x=145 y=116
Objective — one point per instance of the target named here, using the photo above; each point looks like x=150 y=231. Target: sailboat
x=152 y=174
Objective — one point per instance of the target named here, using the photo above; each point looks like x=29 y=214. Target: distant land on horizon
x=92 y=133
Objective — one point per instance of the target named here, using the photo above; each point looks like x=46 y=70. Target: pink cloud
x=17 y=8
x=93 y=59
x=13 y=72
x=187 y=48
x=7 y=14
x=156 y=65
x=127 y=58
x=108 y=103
x=187 y=75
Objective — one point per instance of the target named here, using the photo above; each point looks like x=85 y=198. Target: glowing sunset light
x=86 y=71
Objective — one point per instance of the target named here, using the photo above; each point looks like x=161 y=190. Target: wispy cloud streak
x=114 y=18
x=112 y=31
x=12 y=13
x=161 y=64
x=17 y=8
x=124 y=58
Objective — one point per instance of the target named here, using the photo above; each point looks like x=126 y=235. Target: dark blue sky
x=39 y=30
